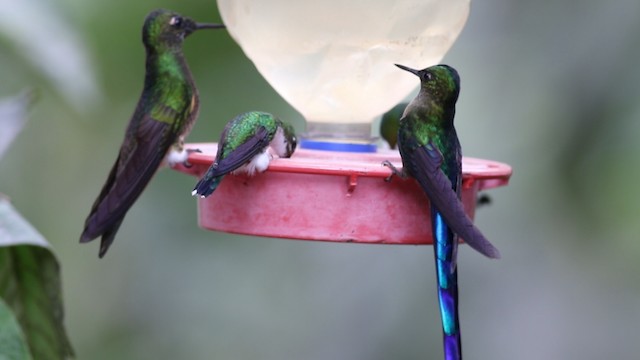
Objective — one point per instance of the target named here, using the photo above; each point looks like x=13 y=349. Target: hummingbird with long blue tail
x=431 y=153
x=164 y=116
x=247 y=144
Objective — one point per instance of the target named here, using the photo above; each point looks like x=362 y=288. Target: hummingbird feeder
x=338 y=73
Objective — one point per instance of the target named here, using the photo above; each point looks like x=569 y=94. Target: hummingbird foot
x=394 y=171
x=186 y=162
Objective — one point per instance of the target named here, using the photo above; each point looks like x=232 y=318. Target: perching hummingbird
x=389 y=124
x=166 y=111
x=431 y=153
x=244 y=147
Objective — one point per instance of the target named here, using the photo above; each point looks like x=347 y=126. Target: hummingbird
x=165 y=114
x=389 y=131
x=246 y=145
x=431 y=153
x=389 y=125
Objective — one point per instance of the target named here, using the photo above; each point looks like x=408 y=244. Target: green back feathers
x=169 y=90
x=244 y=126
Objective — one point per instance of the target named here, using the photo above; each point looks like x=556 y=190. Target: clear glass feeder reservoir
x=333 y=61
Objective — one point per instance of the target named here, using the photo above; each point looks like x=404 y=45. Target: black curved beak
x=200 y=26
x=413 y=71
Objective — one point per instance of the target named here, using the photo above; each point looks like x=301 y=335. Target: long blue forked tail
x=445 y=248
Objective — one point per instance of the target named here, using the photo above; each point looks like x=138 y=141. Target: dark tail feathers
x=206 y=186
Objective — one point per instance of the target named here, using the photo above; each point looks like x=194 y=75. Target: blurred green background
x=548 y=87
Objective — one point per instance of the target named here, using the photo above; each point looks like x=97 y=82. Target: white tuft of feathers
x=175 y=156
x=279 y=143
x=258 y=163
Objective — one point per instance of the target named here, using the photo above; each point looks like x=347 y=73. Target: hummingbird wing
x=140 y=157
x=424 y=163
x=244 y=152
x=228 y=161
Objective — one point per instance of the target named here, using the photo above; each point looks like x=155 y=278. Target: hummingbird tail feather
x=206 y=186
x=108 y=235
x=107 y=238
x=84 y=238
x=445 y=250
x=426 y=163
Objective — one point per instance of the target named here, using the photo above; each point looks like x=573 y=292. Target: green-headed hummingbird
x=431 y=154
x=165 y=114
x=244 y=147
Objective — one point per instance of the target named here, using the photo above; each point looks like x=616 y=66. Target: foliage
x=31 y=310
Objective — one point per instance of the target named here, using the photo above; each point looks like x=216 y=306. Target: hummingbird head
x=165 y=29
x=441 y=82
x=290 y=138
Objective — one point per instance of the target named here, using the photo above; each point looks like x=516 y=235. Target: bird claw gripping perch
x=394 y=171
x=186 y=163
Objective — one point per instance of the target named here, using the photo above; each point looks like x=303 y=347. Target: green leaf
x=12 y=343
x=30 y=286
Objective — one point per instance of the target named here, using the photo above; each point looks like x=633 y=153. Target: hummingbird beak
x=209 y=26
x=413 y=71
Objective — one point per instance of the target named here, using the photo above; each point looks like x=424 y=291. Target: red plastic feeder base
x=331 y=196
